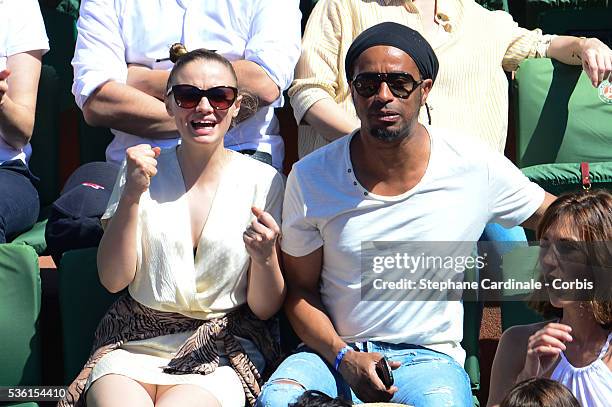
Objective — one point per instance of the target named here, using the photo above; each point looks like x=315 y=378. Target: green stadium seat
x=20 y=299
x=520 y=264
x=560 y=117
x=83 y=303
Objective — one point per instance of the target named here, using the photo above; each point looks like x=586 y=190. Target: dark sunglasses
x=401 y=84
x=189 y=96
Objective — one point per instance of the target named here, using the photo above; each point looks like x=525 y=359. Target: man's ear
x=425 y=89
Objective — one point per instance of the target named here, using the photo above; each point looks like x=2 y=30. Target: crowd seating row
x=560 y=122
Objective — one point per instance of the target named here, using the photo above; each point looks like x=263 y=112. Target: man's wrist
x=340 y=356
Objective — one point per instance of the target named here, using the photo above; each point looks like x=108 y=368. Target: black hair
x=315 y=398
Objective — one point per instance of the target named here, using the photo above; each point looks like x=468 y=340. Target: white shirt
x=463 y=189
x=114 y=33
x=213 y=281
x=21 y=29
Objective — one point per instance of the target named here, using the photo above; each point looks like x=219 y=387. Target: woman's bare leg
x=116 y=390
x=185 y=395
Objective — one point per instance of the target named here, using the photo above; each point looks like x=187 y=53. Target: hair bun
x=177 y=50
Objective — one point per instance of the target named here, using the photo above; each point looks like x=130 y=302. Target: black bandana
x=400 y=37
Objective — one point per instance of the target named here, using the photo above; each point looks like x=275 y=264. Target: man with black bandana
x=393 y=179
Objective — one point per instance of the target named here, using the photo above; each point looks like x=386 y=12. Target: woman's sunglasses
x=189 y=96
x=401 y=84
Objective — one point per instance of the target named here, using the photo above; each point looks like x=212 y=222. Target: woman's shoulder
x=519 y=334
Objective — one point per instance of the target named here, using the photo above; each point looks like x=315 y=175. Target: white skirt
x=144 y=361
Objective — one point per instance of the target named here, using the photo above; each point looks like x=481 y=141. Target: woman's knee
x=114 y=389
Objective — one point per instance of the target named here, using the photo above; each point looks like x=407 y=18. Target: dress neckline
x=602 y=353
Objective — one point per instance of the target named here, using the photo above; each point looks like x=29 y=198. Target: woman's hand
x=260 y=237
x=596 y=60
x=141 y=166
x=543 y=348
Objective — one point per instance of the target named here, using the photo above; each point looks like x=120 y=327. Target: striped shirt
x=474 y=46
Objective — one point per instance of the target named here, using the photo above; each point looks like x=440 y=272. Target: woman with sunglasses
x=192 y=234
x=574 y=347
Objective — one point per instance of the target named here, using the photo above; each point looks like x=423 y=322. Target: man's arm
x=251 y=78
x=309 y=320
x=126 y=108
x=594 y=56
x=534 y=220
x=18 y=91
x=100 y=75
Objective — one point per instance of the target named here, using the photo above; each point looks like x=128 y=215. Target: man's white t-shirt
x=21 y=29
x=464 y=188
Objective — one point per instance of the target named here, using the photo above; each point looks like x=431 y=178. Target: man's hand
x=359 y=371
x=260 y=237
x=3 y=85
x=141 y=167
x=596 y=60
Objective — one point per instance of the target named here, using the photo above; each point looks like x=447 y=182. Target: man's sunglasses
x=189 y=96
x=401 y=84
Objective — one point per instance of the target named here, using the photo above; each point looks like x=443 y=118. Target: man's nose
x=384 y=93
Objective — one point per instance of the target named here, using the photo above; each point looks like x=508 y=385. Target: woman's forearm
x=117 y=251
x=329 y=120
x=266 y=288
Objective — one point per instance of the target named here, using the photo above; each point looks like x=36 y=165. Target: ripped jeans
x=425 y=378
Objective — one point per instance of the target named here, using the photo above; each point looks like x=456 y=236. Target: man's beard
x=388 y=136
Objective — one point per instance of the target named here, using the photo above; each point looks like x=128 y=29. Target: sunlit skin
x=389 y=166
x=203 y=76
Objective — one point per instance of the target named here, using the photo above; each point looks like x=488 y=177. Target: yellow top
x=473 y=44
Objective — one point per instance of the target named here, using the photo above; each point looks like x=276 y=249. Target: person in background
x=573 y=347
x=23 y=41
x=191 y=232
x=474 y=45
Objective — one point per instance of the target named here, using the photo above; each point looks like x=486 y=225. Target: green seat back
x=472 y=316
x=560 y=117
x=83 y=303
x=20 y=297
x=520 y=264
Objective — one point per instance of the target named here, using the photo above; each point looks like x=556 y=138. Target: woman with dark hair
x=191 y=233
x=538 y=392
x=573 y=348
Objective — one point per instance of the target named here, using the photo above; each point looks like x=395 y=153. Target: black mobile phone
x=383 y=370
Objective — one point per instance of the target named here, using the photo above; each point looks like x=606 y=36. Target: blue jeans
x=19 y=205
x=425 y=378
